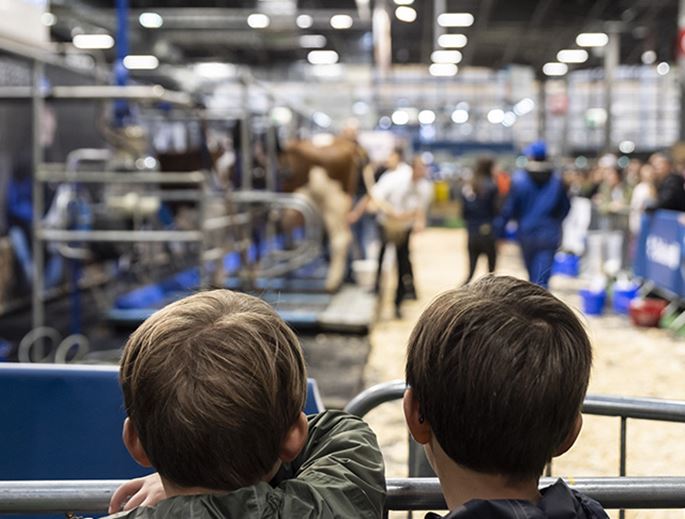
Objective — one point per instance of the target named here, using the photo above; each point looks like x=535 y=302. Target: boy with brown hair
x=214 y=386
x=497 y=373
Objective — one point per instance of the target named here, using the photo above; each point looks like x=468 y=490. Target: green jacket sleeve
x=340 y=469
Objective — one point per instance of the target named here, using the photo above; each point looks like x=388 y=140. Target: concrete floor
x=627 y=361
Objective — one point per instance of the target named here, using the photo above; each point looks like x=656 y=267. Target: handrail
x=92 y=496
x=638 y=408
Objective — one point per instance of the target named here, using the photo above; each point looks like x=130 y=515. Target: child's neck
x=461 y=485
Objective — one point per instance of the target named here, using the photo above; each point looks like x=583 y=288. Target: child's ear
x=419 y=428
x=571 y=437
x=133 y=445
x=294 y=440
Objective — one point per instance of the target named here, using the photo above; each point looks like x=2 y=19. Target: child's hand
x=147 y=491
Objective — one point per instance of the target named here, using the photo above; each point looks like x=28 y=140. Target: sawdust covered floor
x=627 y=361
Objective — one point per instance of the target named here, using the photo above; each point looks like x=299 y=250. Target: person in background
x=480 y=205
x=669 y=185
x=644 y=196
x=403 y=198
x=539 y=203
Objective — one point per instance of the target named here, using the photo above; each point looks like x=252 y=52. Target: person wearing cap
x=538 y=202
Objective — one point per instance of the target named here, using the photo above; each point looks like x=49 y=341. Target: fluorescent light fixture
x=592 y=39
x=341 y=21
x=150 y=20
x=405 y=14
x=258 y=21
x=663 y=68
x=627 y=147
x=214 y=70
x=304 y=21
x=460 y=116
x=455 y=20
x=322 y=57
x=282 y=115
x=48 y=19
x=332 y=70
x=141 y=62
x=555 y=69
x=524 y=106
x=496 y=116
x=400 y=117
x=649 y=57
x=312 y=41
x=404 y=2
x=93 y=41
x=572 y=56
x=322 y=119
x=509 y=119
x=426 y=116
x=443 y=69
x=446 y=56
x=452 y=41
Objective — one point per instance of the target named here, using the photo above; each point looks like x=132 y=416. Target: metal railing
x=90 y=496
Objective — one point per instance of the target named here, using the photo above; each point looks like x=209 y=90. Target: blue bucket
x=593 y=302
x=566 y=264
x=622 y=297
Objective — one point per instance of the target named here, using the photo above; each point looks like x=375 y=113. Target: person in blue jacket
x=538 y=202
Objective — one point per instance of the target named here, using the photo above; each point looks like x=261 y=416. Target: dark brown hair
x=212 y=384
x=500 y=369
x=482 y=174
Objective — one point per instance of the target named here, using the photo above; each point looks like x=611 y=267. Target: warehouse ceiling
x=528 y=32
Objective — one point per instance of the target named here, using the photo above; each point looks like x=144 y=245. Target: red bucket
x=647 y=312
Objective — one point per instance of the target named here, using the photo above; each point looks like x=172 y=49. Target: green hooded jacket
x=338 y=474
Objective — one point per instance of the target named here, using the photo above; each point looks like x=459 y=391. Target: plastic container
x=622 y=297
x=647 y=312
x=566 y=264
x=593 y=301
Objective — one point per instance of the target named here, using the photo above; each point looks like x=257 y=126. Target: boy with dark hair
x=497 y=373
x=214 y=386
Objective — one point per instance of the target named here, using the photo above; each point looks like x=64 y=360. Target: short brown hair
x=212 y=383
x=499 y=369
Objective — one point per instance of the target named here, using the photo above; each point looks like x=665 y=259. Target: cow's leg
x=334 y=205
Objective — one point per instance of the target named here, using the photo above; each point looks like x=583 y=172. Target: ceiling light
x=304 y=21
x=446 y=56
x=360 y=108
x=400 y=117
x=141 y=62
x=592 y=39
x=626 y=147
x=404 y=2
x=384 y=122
x=322 y=57
x=214 y=70
x=496 y=116
x=452 y=41
x=555 y=69
x=48 y=19
x=649 y=57
x=460 y=116
x=572 y=56
x=150 y=20
x=405 y=14
x=524 y=106
x=258 y=21
x=509 y=119
x=455 y=20
x=282 y=115
x=312 y=41
x=426 y=116
x=321 y=119
x=443 y=69
x=663 y=68
x=93 y=41
x=341 y=21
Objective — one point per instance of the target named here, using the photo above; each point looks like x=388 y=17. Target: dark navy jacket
x=539 y=203
x=558 y=502
x=480 y=209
